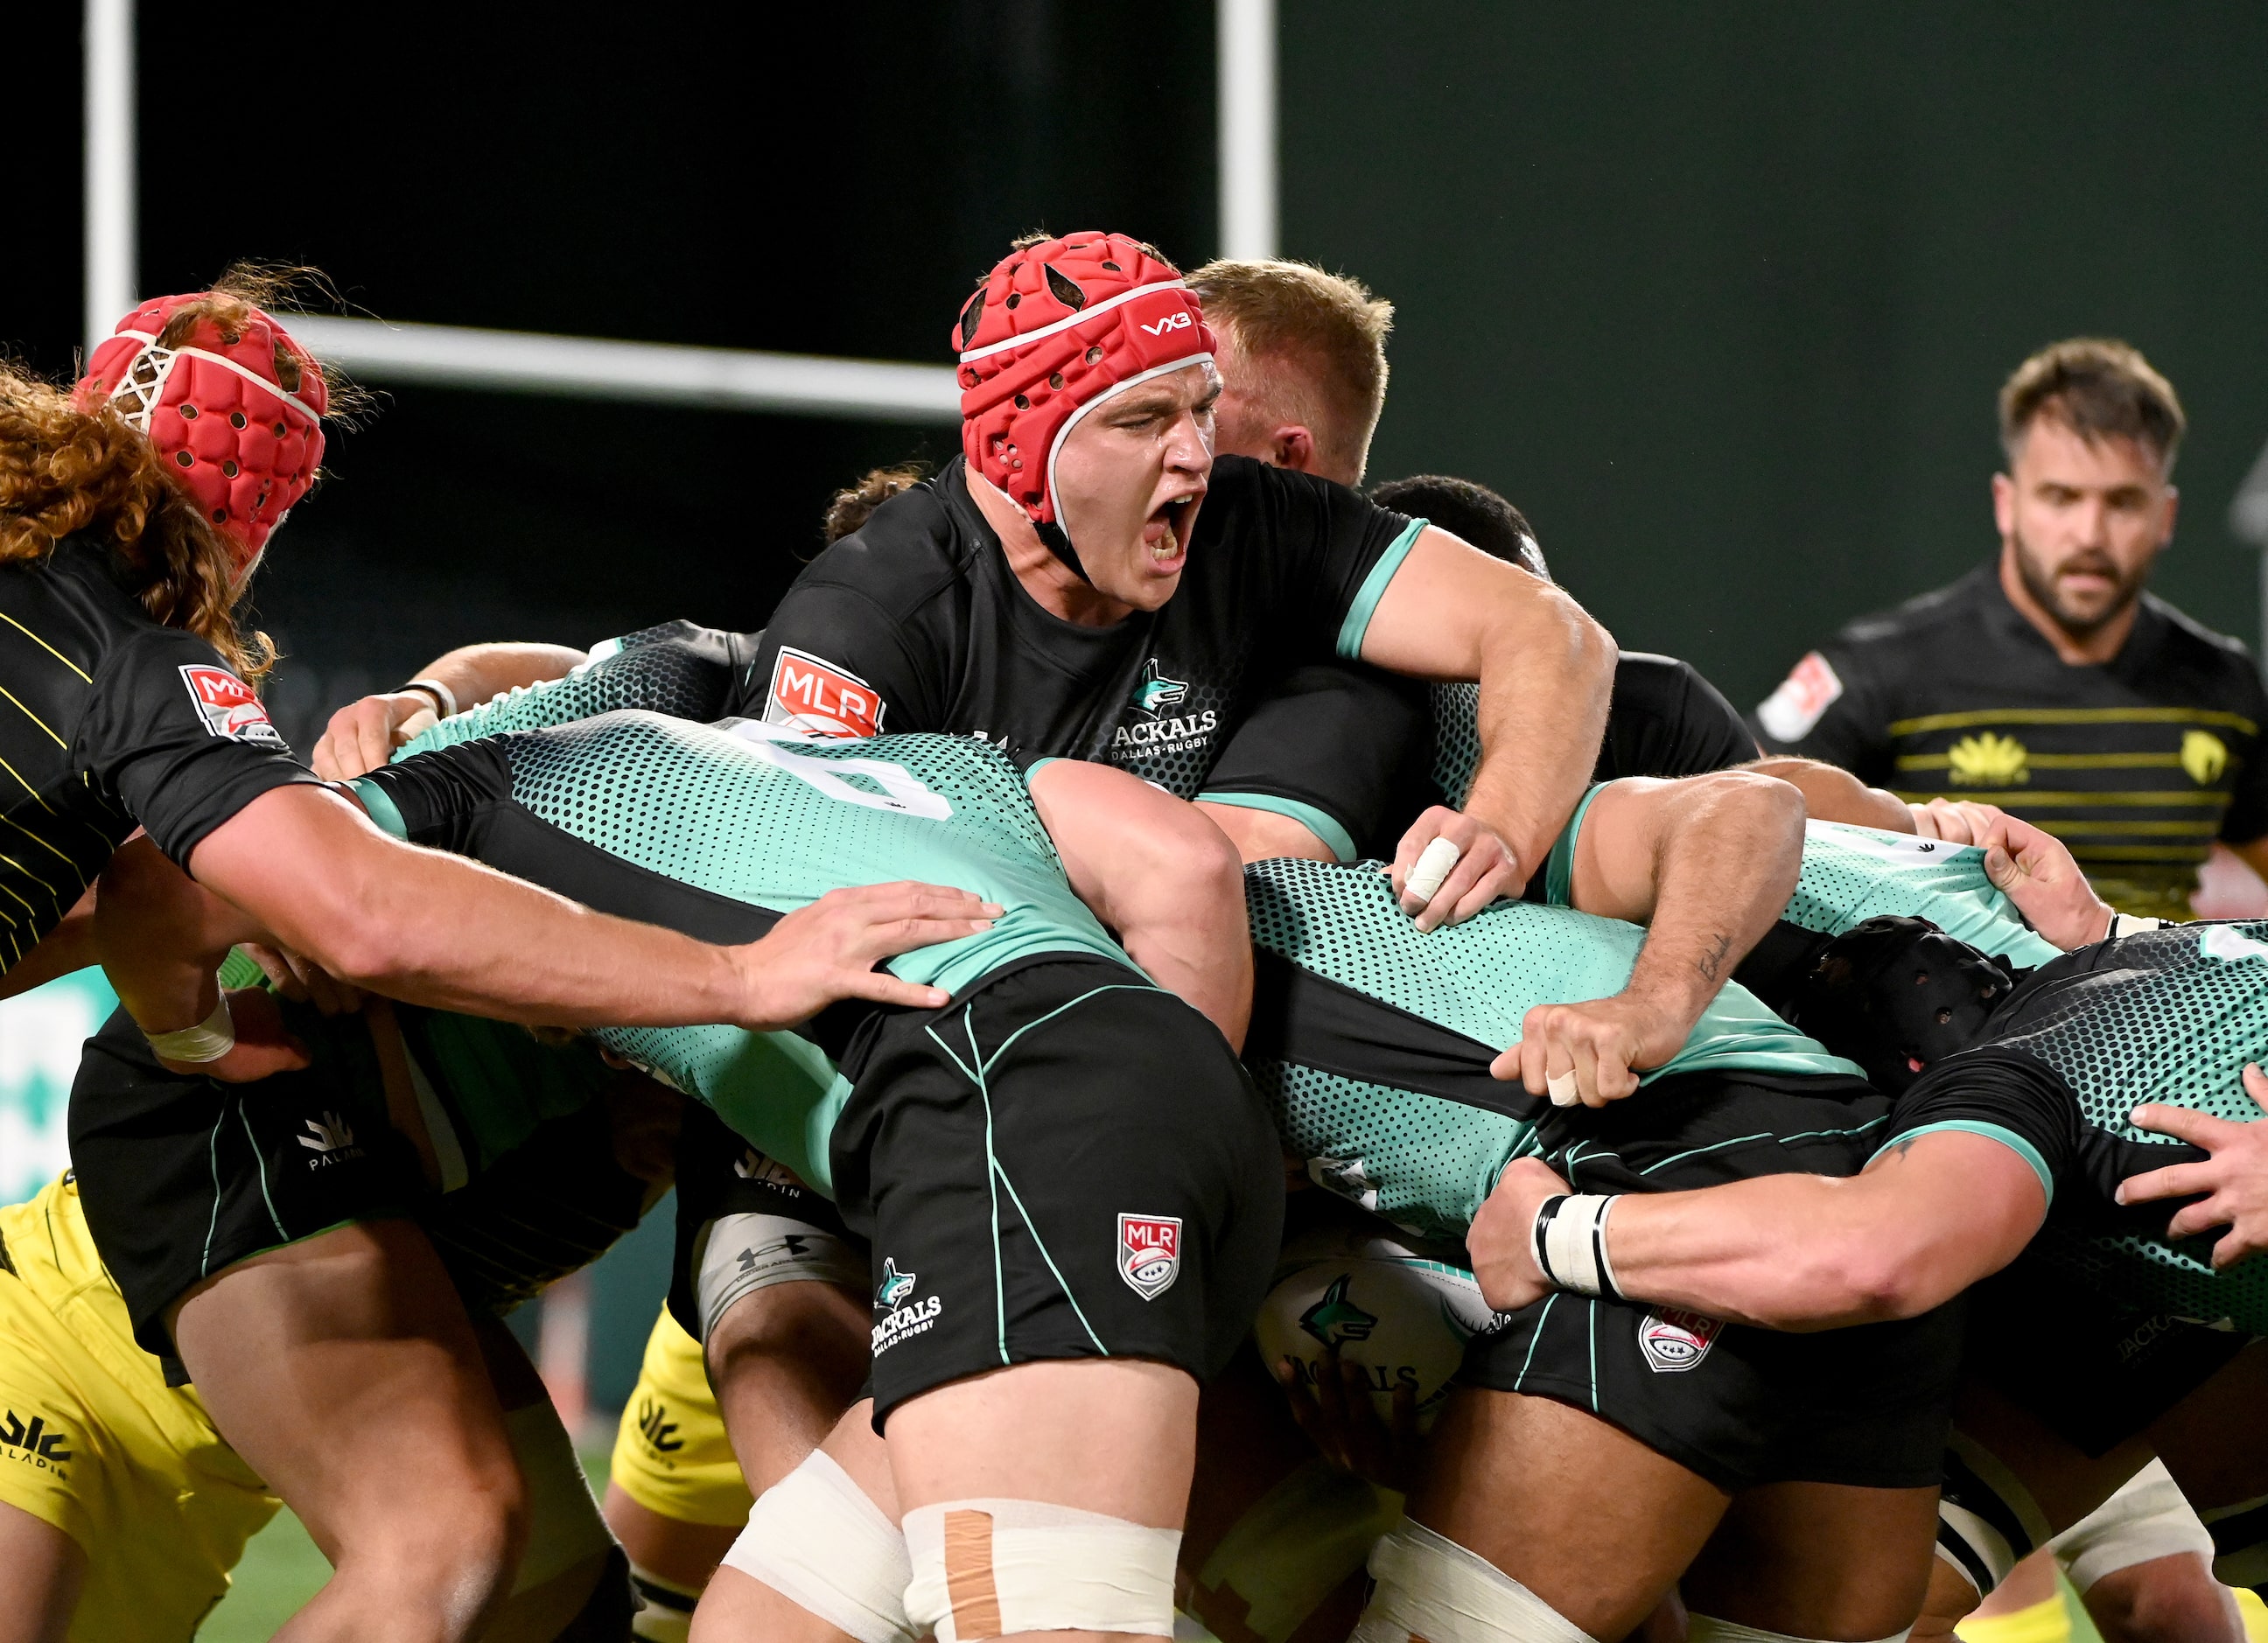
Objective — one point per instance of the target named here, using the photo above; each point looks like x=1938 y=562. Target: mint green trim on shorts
x=1374 y=589
x=381 y=807
x=2008 y=1139
x=1320 y=822
x=1559 y=867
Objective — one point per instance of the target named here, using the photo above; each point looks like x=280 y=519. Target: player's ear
x=1292 y=445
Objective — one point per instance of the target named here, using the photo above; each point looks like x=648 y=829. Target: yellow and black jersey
x=2138 y=764
x=110 y=721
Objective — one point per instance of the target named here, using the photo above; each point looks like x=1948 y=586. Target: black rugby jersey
x=109 y=721
x=2137 y=765
x=915 y=622
x=1351 y=752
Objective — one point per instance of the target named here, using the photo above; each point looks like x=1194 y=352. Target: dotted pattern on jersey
x=655 y=669
x=1424 y=1163
x=1178 y=762
x=2176 y=1023
x=1480 y=978
x=1456 y=739
x=1854 y=873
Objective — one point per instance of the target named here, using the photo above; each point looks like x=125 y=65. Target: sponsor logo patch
x=331 y=1138
x=2204 y=756
x=228 y=707
x=35 y=1443
x=658 y=1431
x=1674 y=1341
x=904 y=1316
x=813 y=694
x=1809 y=689
x=1149 y=1253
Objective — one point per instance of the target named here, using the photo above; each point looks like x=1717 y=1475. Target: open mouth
x=1166 y=531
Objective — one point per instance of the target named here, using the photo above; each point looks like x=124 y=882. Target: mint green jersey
x=775 y=819
x=1421 y=1160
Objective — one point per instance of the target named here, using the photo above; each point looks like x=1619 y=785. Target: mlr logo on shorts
x=1673 y=1341
x=228 y=707
x=814 y=696
x=1149 y=1253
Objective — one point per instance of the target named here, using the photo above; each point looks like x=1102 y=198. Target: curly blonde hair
x=67 y=467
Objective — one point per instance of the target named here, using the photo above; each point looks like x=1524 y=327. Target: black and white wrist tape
x=209 y=1040
x=1570 y=1243
x=2131 y=923
x=445 y=700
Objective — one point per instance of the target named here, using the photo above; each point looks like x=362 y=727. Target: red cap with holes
x=1056 y=329
x=230 y=435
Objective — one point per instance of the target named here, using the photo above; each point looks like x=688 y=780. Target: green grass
x=282 y=1570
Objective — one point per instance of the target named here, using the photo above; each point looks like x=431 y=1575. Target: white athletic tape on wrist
x=1709 y=1628
x=738 y=1254
x=2148 y=1518
x=1297 y=1544
x=665 y=1608
x=1569 y=1237
x=209 y=1040
x=444 y=697
x=815 y=1538
x=1429 y=1586
x=564 y=1525
x=2131 y=923
x=991 y=1567
x=1435 y=863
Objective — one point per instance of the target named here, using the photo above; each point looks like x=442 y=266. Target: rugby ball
x=1399 y=1309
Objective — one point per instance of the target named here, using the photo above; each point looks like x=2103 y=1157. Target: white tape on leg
x=1429 y=1586
x=815 y=1538
x=2148 y=1518
x=1435 y=863
x=993 y=1567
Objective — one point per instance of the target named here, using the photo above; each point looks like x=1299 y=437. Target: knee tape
x=742 y=1254
x=984 y=1568
x=1987 y=1521
x=1296 y=1545
x=1429 y=1586
x=2149 y=1517
x=1709 y=1628
x=564 y=1525
x=817 y=1540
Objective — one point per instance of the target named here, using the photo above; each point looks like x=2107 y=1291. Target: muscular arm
x=1928 y=1218
x=1159 y=874
x=1708 y=862
x=1831 y=793
x=362 y=734
x=1546 y=673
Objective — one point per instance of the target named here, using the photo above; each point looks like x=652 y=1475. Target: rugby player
x=2047 y=681
x=1070 y=1192
x=132 y=515
x=1087 y=580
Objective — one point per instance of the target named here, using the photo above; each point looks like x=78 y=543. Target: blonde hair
x=68 y=466
x=1313 y=343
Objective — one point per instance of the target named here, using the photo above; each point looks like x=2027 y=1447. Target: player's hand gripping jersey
x=719 y=831
x=2170 y=1016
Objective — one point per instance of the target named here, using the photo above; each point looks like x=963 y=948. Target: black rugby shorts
x=1065 y=1162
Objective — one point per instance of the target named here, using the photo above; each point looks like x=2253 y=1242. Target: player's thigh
x=786 y=1362
x=737 y=1608
x=345 y=1371
x=47 y=1570
x=1591 y=1521
x=1818 y=1560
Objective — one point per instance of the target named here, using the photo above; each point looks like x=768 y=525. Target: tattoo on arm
x=1712 y=963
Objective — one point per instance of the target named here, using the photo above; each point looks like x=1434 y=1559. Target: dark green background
x=1721 y=295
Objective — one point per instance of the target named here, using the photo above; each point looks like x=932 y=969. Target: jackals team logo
x=902 y=1314
x=1334 y=1320
x=895 y=1286
x=1149 y=1253
x=1673 y=1341
x=1156 y=691
x=228 y=707
x=813 y=694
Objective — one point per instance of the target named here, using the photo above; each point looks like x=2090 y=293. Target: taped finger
x=1434 y=864
x=1564 y=1089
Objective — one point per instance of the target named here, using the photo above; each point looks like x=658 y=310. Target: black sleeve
x=1336 y=746
x=835 y=660
x=1667 y=720
x=1847 y=728
x=180 y=739
x=2246 y=818
x=1328 y=543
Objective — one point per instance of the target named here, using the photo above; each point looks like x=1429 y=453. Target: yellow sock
x=2255 y=1613
x=2044 y=1622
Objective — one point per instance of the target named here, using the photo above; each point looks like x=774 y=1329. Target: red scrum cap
x=1057 y=328
x=230 y=435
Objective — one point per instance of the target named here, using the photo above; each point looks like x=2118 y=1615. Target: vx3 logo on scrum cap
x=1172 y=322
